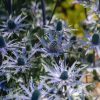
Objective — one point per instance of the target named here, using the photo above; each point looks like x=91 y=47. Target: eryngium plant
x=25 y=74
x=63 y=79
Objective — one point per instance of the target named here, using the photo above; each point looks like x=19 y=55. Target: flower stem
x=85 y=11
x=8 y=5
x=56 y=5
x=43 y=12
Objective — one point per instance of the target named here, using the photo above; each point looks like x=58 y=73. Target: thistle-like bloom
x=62 y=75
x=13 y=25
x=21 y=59
x=51 y=48
x=7 y=46
x=20 y=63
x=53 y=45
x=54 y=40
x=93 y=42
x=64 y=78
x=29 y=92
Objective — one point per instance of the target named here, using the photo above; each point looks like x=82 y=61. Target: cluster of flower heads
x=67 y=56
x=13 y=25
x=60 y=83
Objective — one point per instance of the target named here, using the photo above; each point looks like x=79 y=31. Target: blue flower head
x=13 y=25
x=20 y=61
x=35 y=95
x=53 y=41
x=64 y=75
x=95 y=39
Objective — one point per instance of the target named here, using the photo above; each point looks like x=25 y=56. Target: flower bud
x=20 y=61
x=95 y=39
x=11 y=24
x=64 y=75
x=35 y=95
x=59 y=26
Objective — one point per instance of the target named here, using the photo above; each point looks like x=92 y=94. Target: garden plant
x=42 y=56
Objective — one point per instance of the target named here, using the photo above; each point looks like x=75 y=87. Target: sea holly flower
x=52 y=49
x=63 y=80
x=14 y=66
x=62 y=75
x=93 y=42
x=29 y=92
x=6 y=46
x=20 y=63
x=13 y=25
x=61 y=27
x=53 y=44
x=22 y=60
